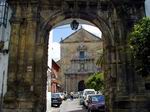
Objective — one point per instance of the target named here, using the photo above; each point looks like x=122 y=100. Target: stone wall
x=69 y=52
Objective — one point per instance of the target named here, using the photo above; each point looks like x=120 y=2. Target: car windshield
x=55 y=95
x=98 y=98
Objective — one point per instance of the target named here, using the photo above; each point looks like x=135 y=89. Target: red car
x=96 y=103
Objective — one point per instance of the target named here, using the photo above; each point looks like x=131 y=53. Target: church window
x=82 y=54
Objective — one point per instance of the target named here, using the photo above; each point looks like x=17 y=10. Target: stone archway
x=31 y=23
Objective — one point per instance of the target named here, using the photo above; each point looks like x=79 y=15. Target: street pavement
x=69 y=106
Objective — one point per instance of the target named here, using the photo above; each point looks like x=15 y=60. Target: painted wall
x=147 y=7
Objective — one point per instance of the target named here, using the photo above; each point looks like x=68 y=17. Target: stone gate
x=31 y=22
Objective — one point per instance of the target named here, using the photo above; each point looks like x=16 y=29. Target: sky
x=65 y=31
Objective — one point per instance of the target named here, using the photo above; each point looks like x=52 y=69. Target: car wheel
x=86 y=107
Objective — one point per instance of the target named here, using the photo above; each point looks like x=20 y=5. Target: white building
x=5 y=14
x=147 y=7
x=48 y=72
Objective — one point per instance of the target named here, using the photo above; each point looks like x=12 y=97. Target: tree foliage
x=100 y=61
x=139 y=44
x=95 y=81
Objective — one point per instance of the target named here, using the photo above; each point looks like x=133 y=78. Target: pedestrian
x=71 y=95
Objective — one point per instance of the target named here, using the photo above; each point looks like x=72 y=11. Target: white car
x=88 y=91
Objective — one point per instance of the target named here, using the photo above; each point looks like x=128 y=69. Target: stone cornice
x=18 y=20
x=22 y=1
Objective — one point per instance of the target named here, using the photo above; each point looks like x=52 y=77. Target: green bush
x=139 y=44
x=96 y=81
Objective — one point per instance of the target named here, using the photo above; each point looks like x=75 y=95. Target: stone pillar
x=11 y=94
x=40 y=78
x=121 y=71
x=128 y=98
x=20 y=94
x=116 y=75
x=109 y=75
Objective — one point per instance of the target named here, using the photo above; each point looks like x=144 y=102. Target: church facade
x=79 y=53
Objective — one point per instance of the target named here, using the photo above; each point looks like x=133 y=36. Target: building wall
x=72 y=81
x=48 y=80
x=54 y=87
x=147 y=7
x=5 y=37
x=68 y=52
x=54 y=77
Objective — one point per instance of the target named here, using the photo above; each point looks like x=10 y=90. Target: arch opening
x=73 y=82
x=90 y=19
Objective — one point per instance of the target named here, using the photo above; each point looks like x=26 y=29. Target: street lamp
x=74 y=25
x=3 y=12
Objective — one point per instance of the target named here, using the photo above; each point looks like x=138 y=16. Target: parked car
x=56 y=99
x=80 y=92
x=96 y=103
x=85 y=102
x=75 y=95
x=81 y=99
x=62 y=95
x=88 y=91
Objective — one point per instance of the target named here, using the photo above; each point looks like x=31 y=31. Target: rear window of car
x=55 y=96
